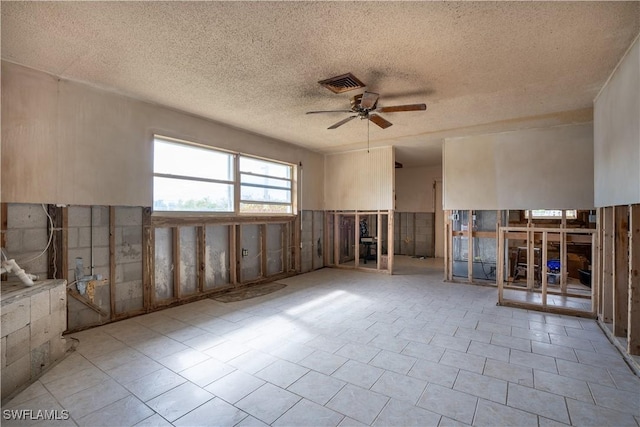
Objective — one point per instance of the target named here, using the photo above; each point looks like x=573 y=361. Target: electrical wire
x=51 y=230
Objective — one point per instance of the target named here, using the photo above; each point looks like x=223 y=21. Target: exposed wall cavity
x=188 y=261
x=88 y=239
x=217 y=256
x=414 y=234
x=128 y=251
x=251 y=252
x=312 y=241
x=163 y=276
x=275 y=248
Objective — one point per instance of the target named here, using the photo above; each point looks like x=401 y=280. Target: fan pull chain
x=368 y=136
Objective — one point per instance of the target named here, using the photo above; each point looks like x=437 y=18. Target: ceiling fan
x=365 y=107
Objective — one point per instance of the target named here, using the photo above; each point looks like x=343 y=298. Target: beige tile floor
x=343 y=348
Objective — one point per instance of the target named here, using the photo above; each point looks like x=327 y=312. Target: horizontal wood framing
x=543 y=236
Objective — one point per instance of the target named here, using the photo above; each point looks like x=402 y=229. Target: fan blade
x=341 y=122
x=329 y=111
x=397 y=108
x=379 y=121
x=369 y=100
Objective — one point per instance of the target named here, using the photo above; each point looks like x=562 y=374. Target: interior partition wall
x=471 y=245
x=538 y=261
x=360 y=240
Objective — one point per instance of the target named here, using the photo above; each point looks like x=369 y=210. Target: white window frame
x=571 y=214
x=290 y=189
x=236 y=182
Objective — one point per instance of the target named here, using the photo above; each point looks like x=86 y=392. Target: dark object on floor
x=248 y=292
x=585 y=277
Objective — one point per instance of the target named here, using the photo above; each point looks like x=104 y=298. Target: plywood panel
x=360 y=180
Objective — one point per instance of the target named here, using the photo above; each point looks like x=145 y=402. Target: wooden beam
x=325 y=233
x=447 y=242
x=263 y=250
x=112 y=261
x=336 y=238
x=201 y=256
x=596 y=265
x=500 y=266
x=284 y=245
x=633 y=332
x=175 y=246
x=470 y=246
x=356 y=232
x=297 y=237
x=233 y=254
x=288 y=238
x=148 y=260
x=621 y=271
x=594 y=273
x=64 y=243
x=4 y=211
x=314 y=247
x=56 y=265
x=608 y=232
x=86 y=302
x=379 y=241
x=238 y=251
x=196 y=220
x=563 y=255
x=543 y=269
x=413 y=239
x=549 y=309
x=531 y=269
x=390 y=249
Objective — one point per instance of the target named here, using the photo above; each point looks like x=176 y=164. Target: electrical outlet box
x=245 y=252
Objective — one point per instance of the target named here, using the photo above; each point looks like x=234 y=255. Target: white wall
x=66 y=142
x=549 y=168
x=617 y=134
x=360 y=180
x=414 y=188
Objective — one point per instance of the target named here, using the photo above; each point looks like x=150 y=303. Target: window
x=192 y=178
x=550 y=214
x=265 y=187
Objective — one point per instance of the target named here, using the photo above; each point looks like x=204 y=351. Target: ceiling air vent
x=342 y=83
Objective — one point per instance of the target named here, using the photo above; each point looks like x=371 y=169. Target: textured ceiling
x=479 y=66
